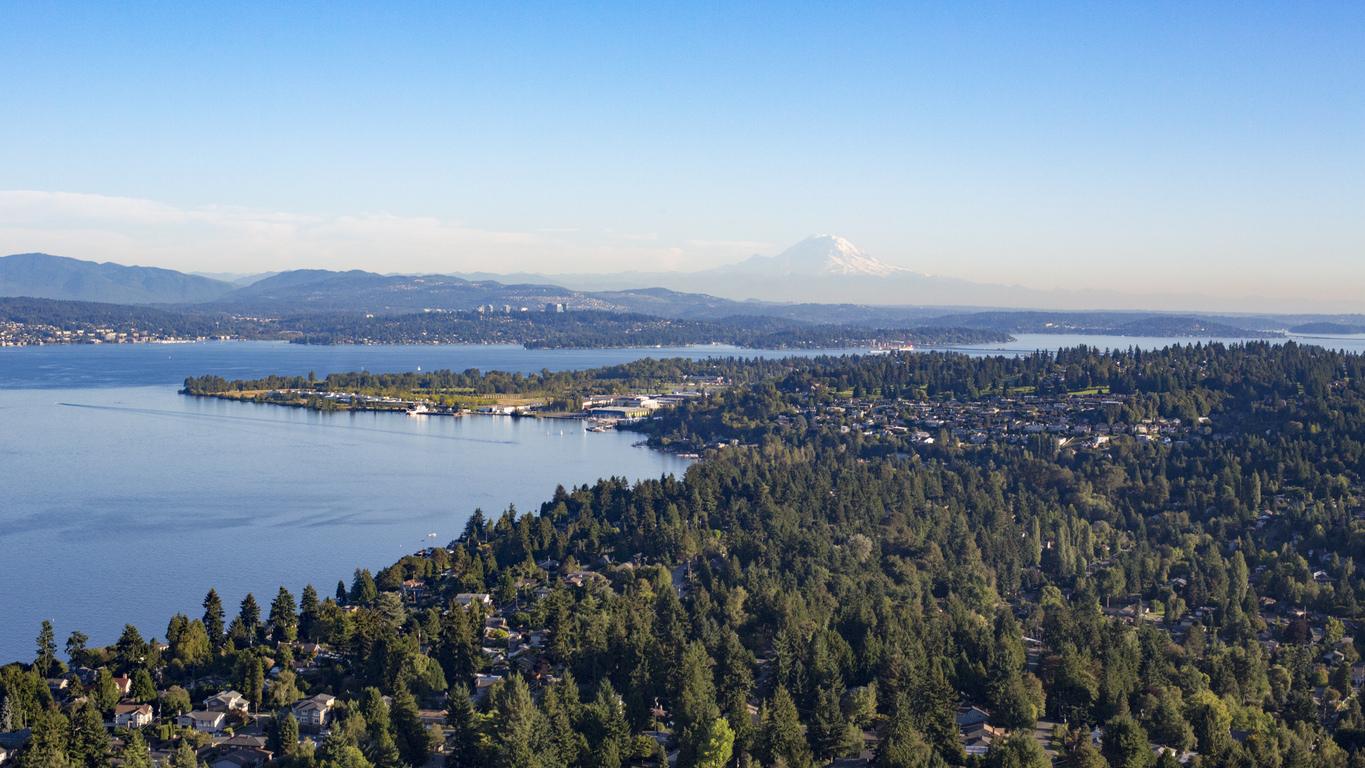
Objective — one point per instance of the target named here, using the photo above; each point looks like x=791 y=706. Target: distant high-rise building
x=554 y=307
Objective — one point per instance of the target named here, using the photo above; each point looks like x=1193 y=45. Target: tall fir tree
x=519 y=734
x=284 y=617
x=463 y=748
x=696 y=709
x=90 y=740
x=184 y=756
x=46 y=660
x=830 y=734
x=902 y=745
x=213 y=617
x=309 y=612
x=409 y=731
x=379 y=746
x=250 y=614
x=779 y=732
x=135 y=754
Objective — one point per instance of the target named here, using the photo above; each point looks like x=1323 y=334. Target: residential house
x=202 y=720
x=466 y=598
x=969 y=716
x=132 y=715
x=227 y=700
x=315 y=711
x=482 y=684
x=243 y=741
x=15 y=740
x=124 y=685
x=243 y=758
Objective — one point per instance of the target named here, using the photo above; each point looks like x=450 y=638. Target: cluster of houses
x=215 y=718
x=14 y=334
x=1072 y=419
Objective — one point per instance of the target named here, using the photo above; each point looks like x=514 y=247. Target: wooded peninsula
x=1125 y=558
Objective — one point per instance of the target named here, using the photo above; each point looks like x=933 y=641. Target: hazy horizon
x=1162 y=149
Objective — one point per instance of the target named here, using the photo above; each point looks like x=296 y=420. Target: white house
x=132 y=715
x=465 y=598
x=202 y=721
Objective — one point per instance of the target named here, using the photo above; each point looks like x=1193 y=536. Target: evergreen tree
x=213 y=617
x=250 y=614
x=458 y=651
x=130 y=649
x=518 y=725
x=135 y=754
x=463 y=744
x=830 y=734
x=282 y=733
x=255 y=682
x=1125 y=744
x=47 y=747
x=902 y=746
x=363 y=589
x=46 y=660
x=284 y=619
x=90 y=741
x=309 y=612
x=75 y=648
x=779 y=732
x=105 y=693
x=604 y=720
x=696 y=709
x=184 y=756
x=142 y=690
x=408 y=730
x=379 y=746
x=8 y=722
x=561 y=711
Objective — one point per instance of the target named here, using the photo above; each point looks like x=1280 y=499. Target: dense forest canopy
x=818 y=586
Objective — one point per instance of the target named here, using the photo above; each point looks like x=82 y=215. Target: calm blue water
x=121 y=501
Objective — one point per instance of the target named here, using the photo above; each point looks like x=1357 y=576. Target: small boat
x=419 y=410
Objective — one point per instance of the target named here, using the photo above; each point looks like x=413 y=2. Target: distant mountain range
x=823 y=259
x=56 y=277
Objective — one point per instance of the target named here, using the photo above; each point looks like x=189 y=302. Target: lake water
x=122 y=501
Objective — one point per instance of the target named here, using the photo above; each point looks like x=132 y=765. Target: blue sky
x=1211 y=147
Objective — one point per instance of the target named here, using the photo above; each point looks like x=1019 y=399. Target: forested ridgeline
x=578 y=329
x=821 y=591
x=602 y=329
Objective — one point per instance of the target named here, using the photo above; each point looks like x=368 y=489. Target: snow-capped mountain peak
x=818 y=255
